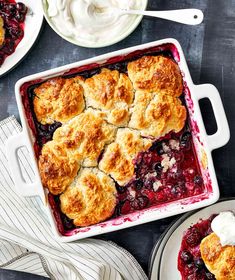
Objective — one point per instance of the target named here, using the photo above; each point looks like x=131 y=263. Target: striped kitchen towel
x=26 y=241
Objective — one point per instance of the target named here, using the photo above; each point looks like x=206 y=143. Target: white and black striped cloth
x=26 y=241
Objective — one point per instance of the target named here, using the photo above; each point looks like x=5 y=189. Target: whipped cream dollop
x=223 y=226
x=91 y=21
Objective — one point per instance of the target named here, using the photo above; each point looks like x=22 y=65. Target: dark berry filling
x=166 y=172
x=13 y=15
x=190 y=263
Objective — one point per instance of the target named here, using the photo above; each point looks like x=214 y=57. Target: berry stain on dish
x=146 y=166
x=12 y=17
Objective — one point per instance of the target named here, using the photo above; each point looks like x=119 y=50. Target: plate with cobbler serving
x=118 y=140
x=199 y=246
x=20 y=24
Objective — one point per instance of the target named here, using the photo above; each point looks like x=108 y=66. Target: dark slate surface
x=209 y=50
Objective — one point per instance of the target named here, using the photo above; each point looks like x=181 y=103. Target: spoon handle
x=186 y=16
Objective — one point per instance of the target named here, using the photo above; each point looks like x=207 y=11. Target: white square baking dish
x=203 y=143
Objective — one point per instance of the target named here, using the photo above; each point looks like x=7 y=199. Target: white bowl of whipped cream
x=92 y=23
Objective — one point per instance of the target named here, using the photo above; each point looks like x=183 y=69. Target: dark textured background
x=210 y=52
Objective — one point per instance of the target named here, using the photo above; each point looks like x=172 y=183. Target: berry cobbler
x=113 y=140
x=12 y=17
x=203 y=255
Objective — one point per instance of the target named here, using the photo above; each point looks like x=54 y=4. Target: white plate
x=128 y=31
x=163 y=264
x=33 y=24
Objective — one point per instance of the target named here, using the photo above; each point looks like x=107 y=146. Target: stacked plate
x=163 y=262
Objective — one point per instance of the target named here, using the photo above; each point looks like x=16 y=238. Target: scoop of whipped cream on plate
x=91 y=21
x=223 y=226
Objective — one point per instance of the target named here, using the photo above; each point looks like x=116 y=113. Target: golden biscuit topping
x=86 y=134
x=57 y=168
x=117 y=160
x=59 y=100
x=90 y=199
x=156 y=114
x=103 y=90
x=157 y=74
x=111 y=92
x=220 y=260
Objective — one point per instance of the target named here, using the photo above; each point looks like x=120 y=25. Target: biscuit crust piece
x=156 y=114
x=59 y=100
x=112 y=93
x=2 y=31
x=117 y=159
x=86 y=134
x=156 y=74
x=220 y=260
x=90 y=199
x=57 y=168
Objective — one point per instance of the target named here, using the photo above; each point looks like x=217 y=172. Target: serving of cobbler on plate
x=208 y=249
x=12 y=17
x=113 y=140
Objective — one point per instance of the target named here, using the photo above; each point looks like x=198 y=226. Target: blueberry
x=21 y=7
x=185 y=138
x=210 y=276
x=157 y=147
x=158 y=167
x=42 y=127
x=199 y=264
x=56 y=198
x=198 y=180
x=154 y=146
x=140 y=202
x=48 y=130
x=178 y=190
x=68 y=223
x=19 y=17
x=160 y=151
x=139 y=184
x=54 y=126
x=120 y=189
x=148 y=183
x=186 y=256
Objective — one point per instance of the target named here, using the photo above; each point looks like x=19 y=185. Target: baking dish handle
x=222 y=135
x=25 y=189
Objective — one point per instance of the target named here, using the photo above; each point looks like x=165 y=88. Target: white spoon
x=186 y=16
